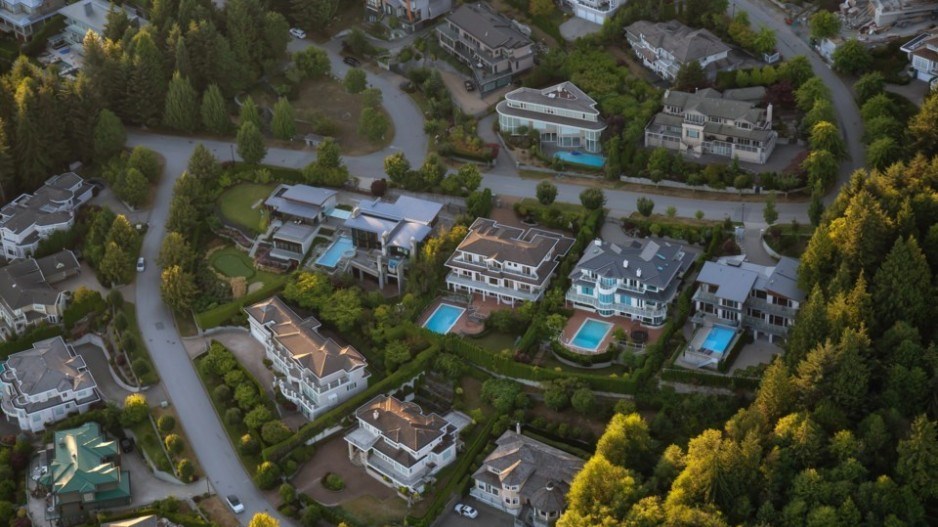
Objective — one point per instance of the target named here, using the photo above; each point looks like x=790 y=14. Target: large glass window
x=606 y=299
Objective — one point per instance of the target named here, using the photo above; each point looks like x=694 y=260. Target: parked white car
x=298 y=33
x=235 y=504
x=141 y=265
x=466 y=510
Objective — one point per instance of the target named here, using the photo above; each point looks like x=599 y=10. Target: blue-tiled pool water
x=443 y=319
x=591 y=334
x=718 y=339
x=335 y=252
x=581 y=158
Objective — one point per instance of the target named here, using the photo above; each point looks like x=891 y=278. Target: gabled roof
x=488 y=26
x=503 y=243
x=83 y=461
x=565 y=95
x=23 y=283
x=50 y=364
x=712 y=104
x=683 y=42
x=401 y=422
x=651 y=262
x=520 y=460
x=320 y=355
x=735 y=278
x=733 y=283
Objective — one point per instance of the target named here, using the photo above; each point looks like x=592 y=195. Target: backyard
x=242 y=205
x=324 y=107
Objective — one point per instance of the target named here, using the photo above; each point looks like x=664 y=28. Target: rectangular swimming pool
x=335 y=252
x=581 y=158
x=591 y=334
x=718 y=339
x=443 y=319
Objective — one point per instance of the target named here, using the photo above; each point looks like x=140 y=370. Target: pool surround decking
x=628 y=325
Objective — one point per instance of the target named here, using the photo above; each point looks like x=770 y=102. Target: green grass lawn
x=236 y=205
x=231 y=262
x=495 y=341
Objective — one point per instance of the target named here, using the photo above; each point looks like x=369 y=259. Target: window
x=693 y=133
x=586 y=290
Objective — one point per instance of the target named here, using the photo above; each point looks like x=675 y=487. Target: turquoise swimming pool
x=718 y=339
x=591 y=334
x=443 y=319
x=581 y=158
x=334 y=253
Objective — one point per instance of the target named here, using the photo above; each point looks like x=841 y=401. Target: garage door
x=587 y=15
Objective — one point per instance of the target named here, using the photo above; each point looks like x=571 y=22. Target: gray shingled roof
x=683 y=42
x=733 y=283
x=651 y=262
x=488 y=26
x=711 y=104
x=565 y=95
x=50 y=364
x=320 y=355
x=502 y=243
x=531 y=464
x=22 y=283
x=735 y=278
x=401 y=422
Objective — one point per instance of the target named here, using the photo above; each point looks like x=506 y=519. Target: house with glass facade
x=563 y=115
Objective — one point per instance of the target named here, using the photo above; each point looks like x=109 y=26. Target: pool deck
x=465 y=325
x=628 y=325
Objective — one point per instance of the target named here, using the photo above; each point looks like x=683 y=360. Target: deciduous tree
x=177 y=288
x=283 y=124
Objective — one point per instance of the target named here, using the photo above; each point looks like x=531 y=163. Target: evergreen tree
x=251 y=146
x=116 y=23
x=249 y=113
x=33 y=164
x=83 y=107
x=214 y=111
x=177 y=287
x=116 y=266
x=181 y=105
x=181 y=60
x=109 y=136
x=901 y=288
x=132 y=187
x=9 y=186
x=918 y=459
x=147 y=87
x=283 y=124
x=373 y=124
x=314 y=14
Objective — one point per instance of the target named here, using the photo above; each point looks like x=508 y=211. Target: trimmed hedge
x=580 y=358
x=218 y=315
x=332 y=417
x=709 y=379
x=458 y=479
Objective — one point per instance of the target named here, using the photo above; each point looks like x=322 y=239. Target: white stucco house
x=316 y=373
x=45 y=384
x=565 y=116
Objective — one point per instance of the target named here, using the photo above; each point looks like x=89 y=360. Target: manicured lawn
x=237 y=205
x=231 y=262
x=495 y=341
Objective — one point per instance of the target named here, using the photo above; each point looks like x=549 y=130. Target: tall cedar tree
x=181 y=111
x=214 y=112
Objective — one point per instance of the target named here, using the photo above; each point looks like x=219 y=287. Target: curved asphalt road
x=205 y=432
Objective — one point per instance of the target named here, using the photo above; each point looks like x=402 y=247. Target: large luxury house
x=666 y=46
x=30 y=218
x=91 y=15
x=595 y=10
x=400 y=445
x=923 y=56
x=412 y=14
x=298 y=210
x=637 y=280
x=564 y=115
x=495 y=47
x=526 y=479
x=84 y=475
x=315 y=372
x=737 y=293
x=510 y=264
x=708 y=122
x=386 y=234
x=24 y=17
x=27 y=297
x=45 y=384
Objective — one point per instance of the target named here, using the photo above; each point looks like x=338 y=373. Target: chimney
x=89 y=9
x=375 y=415
x=518 y=427
x=768 y=114
x=638 y=272
x=625 y=264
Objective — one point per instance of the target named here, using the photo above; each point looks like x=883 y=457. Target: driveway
x=332 y=456
x=101 y=371
x=488 y=516
x=577 y=27
x=469 y=101
x=86 y=278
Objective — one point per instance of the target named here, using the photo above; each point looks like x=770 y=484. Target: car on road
x=470 y=86
x=352 y=61
x=298 y=33
x=465 y=510
x=236 y=506
x=127 y=445
x=141 y=265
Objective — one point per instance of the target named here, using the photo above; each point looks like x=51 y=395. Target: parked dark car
x=127 y=445
x=352 y=61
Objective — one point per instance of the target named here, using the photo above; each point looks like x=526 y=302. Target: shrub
x=135 y=410
x=275 y=431
x=233 y=416
x=174 y=444
x=166 y=423
x=333 y=481
x=140 y=366
x=249 y=445
x=287 y=493
x=234 y=378
x=222 y=393
x=257 y=417
x=267 y=475
x=185 y=469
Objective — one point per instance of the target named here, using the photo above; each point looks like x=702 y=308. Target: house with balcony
x=526 y=478
x=565 y=116
x=664 y=47
x=91 y=15
x=709 y=122
x=45 y=384
x=506 y=263
x=22 y=18
x=923 y=56
x=84 y=476
x=411 y=14
x=400 y=445
x=314 y=372
x=27 y=295
x=30 y=218
x=637 y=280
x=496 y=48
x=743 y=295
x=296 y=211
x=595 y=10
x=386 y=235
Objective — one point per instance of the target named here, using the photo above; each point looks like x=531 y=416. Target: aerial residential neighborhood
x=508 y=263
